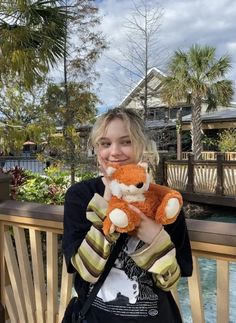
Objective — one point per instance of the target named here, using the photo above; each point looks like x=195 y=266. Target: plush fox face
x=128 y=180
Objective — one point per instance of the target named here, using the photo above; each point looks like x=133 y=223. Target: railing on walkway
x=36 y=288
x=36 y=166
x=29 y=163
x=216 y=179
x=211 y=155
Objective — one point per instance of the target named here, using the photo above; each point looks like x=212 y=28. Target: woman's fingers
x=102 y=165
x=148 y=228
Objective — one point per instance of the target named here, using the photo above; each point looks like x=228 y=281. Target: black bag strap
x=111 y=260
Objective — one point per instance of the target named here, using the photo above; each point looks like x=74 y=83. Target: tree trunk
x=69 y=118
x=196 y=128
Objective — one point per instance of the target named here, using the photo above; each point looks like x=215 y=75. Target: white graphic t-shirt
x=128 y=290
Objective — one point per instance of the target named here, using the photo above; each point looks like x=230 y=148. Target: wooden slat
x=195 y=294
x=52 y=276
x=175 y=294
x=15 y=278
x=66 y=287
x=11 y=305
x=2 y=262
x=177 y=176
x=25 y=270
x=205 y=178
x=213 y=251
x=229 y=180
x=222 y=291
x=38 y=274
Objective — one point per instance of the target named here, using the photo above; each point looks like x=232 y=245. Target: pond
x=208 y=283
x=208 y=277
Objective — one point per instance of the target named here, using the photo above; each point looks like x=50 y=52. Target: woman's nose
x=115 y=149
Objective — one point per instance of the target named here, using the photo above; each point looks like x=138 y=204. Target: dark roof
x=152 y=124
x=220 y=115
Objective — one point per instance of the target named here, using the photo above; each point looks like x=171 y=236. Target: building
x=161 y=119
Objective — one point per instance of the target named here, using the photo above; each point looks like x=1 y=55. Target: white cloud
x=185 y=22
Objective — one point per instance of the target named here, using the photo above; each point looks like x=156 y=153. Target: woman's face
x=115 y=145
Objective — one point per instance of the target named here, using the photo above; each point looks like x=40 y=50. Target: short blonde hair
x=133 y=122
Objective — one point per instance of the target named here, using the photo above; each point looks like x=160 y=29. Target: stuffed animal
x=130 y=184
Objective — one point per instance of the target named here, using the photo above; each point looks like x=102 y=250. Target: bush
x=49 y=188
x=227 y=140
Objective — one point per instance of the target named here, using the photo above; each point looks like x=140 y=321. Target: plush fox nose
x=139 y=185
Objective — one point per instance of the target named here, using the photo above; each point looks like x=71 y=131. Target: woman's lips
x=117 y=161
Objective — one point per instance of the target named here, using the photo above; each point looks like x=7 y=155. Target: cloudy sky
x=184 y=22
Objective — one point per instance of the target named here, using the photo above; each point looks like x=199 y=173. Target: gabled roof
x=151 y=73
x=160 y=124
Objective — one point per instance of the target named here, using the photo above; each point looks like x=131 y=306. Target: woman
x=153 y=257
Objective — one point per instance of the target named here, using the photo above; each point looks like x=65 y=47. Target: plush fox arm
x=120 y=217
x=164 y=190
x=171 y=203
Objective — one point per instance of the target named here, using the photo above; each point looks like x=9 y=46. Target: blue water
x=208 y=283
x=208 y=278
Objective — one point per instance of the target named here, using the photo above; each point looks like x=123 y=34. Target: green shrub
x=49 y=188
x=227 y=140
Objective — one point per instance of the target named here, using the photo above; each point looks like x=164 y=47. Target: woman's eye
x=126 y=143
x=105 y=144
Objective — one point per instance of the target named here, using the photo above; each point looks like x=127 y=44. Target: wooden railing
x=36 y=288
x=211 y=155
x=215 y=179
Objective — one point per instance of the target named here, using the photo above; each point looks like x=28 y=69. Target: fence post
x=4 y=187
x=190 y=173
x=220 y=184
x=160 y=178
x=163 y=172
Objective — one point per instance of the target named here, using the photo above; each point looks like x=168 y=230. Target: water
x=208 y=283
x=208 y=277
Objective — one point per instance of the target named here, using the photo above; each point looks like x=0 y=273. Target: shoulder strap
x=111 y=260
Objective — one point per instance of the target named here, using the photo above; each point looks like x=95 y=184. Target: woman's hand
x=105 y=179
x=148 y=228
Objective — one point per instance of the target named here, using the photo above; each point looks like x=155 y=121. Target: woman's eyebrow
x=125 y=137
x=122 y=137
x=103 y=138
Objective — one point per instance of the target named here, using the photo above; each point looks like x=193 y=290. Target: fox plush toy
x=130 y=184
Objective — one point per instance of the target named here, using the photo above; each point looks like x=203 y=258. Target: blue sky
x=184 y=22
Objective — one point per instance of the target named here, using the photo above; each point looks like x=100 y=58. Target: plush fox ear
x=110 y=170
x=144 y=165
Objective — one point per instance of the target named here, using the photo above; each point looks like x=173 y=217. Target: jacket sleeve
x=159 y=259
x=169 y=255
x=93 y=252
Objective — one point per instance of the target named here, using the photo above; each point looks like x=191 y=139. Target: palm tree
x=197 y=76
x=32 y=37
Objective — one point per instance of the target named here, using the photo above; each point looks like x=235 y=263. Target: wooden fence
x=212 y=155
x=216 y=179
x=35 y=286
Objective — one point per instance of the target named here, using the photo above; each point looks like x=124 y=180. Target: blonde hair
x=132 y=121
